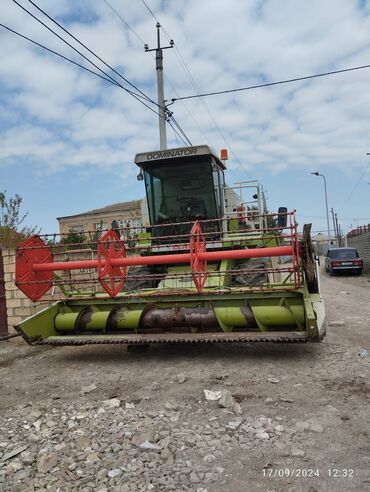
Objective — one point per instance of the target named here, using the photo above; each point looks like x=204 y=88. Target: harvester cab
x=182 y=186
x=208 y=264
x=183 y=183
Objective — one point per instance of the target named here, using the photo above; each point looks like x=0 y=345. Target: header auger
x=206 y=266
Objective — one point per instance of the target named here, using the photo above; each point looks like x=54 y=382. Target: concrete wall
x=362 y=243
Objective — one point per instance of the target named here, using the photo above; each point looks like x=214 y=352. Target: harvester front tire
x=139 y=283
x=249 y=279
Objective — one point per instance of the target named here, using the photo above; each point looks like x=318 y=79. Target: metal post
x=333 y=217
x=326 y=202
x=337 y=230
x=162 y=111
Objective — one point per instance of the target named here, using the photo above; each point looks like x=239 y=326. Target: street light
x=316 y=173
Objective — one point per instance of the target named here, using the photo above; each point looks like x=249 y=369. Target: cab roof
x=176 y=153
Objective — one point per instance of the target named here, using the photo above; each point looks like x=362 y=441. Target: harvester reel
x=35 y=264
x=198 y=266
x=111 y=277
x=33 y=284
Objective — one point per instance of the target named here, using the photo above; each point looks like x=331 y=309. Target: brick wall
x=362 y=244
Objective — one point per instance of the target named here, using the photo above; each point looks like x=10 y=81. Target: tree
x=74 y=239
x=12 y=232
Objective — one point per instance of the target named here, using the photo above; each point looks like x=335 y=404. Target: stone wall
x=18 y=305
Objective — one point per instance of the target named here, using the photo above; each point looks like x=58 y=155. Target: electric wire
x=173 y=119
x=177 y=133
x=176 y=138
x=169 y=115
x=100 y=59
x=149 y=10
x=58 y=54
x=195 y=87
x=270 y=84
x=192 y=81
x=133 y=94
x=184 y=67
x=125 y=22
x=165 y=76
x=356 y=184
x=91 y=52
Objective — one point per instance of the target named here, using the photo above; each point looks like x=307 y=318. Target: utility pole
x=162 y=110
x=326 y=202
x=337 y=230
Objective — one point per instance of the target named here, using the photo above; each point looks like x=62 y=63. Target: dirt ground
x=312 y=400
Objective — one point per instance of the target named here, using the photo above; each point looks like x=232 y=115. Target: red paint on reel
x=33 y=251
x=198 y=245
x=35 y=264
x=111 y=277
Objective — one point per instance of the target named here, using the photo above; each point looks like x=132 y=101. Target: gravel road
x=101 y=418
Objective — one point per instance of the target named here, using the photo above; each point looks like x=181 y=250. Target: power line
x=142 y=41
x=176 y=137
x=180 y=129
x=68 y=44
x=110 y=79
x=125 y=22
x=150 y=11
x=58 y=54
x=178 y=55
x=194 y=84
x=270 y=84
x=89 y=50
x=177 y=133
x=356 y=185
x=133 y=94
x=170 y=116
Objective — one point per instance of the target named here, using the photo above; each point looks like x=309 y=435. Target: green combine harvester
x=209 y=264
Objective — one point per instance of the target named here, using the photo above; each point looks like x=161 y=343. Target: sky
x=68 y=138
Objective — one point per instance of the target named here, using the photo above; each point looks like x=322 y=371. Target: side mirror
x=140 y=176
x=282 y=217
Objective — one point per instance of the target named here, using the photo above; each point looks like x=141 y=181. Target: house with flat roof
x=126 y=214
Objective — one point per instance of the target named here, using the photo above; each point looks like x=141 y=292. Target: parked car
x=343 y=260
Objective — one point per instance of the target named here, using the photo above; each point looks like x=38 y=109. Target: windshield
x=343 y=254
x=179 y=192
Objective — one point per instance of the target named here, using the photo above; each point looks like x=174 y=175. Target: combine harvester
x=208 y=266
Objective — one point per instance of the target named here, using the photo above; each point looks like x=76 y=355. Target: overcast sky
x=68 y=138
